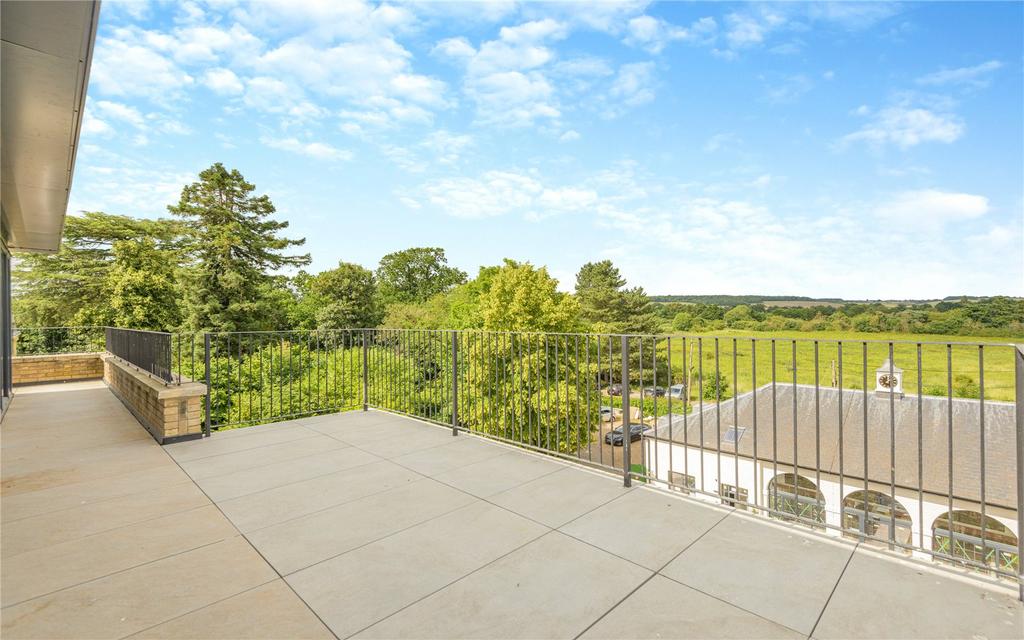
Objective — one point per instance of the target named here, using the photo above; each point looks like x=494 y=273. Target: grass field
x=966 y=361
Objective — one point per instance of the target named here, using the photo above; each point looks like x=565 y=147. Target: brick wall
x=58 y=367
x=169 y=412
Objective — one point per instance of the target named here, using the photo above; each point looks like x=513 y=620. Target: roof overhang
x=44 y=72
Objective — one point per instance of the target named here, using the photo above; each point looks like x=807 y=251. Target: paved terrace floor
x=376 y=526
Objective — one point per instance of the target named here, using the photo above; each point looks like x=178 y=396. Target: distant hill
x=796 y=301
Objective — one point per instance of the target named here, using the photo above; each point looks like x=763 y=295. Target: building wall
x=923 y=510
x=57 y=367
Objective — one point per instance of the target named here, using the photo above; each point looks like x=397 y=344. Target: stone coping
x=164 y=390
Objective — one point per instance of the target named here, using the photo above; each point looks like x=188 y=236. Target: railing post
x=627 y=479
x=209 y=389
x=366 y=377
x=1018 y=360
x=455 y=383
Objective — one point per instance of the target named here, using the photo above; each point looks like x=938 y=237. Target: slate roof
x=817 y=434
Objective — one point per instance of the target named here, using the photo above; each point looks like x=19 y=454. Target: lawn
x=736 y=352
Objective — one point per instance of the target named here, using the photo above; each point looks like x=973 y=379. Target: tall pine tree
x=234 y=246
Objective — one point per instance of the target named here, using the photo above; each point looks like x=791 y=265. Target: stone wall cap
x=163 y=389
x=43 y=357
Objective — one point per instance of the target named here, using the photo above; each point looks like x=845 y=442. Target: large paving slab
x=873 y=583
x=772 y=570
x=663 y=608
x=554 y=587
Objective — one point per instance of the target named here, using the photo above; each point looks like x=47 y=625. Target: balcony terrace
x=369 y=524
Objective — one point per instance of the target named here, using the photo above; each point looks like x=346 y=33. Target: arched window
x=995 y=546
x=872 y=516
x=796 y=495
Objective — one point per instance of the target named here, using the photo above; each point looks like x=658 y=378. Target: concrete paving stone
x=413 y=439
x=298 y=543
x=358 y=588
x=872 y=587
x=774 y=571
x=41 y=571
x=554 y=587
x=130 y=601
x=462 y=451
x=663 y=608
x=258 y=510
x=562 y=496
x=49 y=500
x=215 y=445
x=61 y=526
x=645 y=526
x=240 y=483
x=500 y=473
x=269 y=612
x=365 y=434
x=212 y=466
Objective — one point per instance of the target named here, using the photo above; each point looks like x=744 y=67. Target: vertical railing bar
x=892 y=449
x=736 y=421
x=365 y=370
x=773 y=499
x=864 y=371
x=981 y=444
x=576 y=372
x=842 y=417
x=455 y=383
x=700 y=401
x=686 y=424
x=718 y=419
x=920 y=453
x=796 y=429
x=1018 y=368
x=626 y=478
x=949 y=442
x=817 y=430
x=209 y=387
x=589 y=413
x=671 y=441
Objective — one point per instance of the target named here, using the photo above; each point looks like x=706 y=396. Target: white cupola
x=889 y=379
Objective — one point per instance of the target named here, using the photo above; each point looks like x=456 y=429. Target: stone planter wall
x=170 y=412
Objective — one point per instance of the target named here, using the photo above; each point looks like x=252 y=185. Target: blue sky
x=855 y=150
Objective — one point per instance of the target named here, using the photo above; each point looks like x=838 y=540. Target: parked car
x=615 y=390
x=656 y=392
x=607 y=414
x=614 y=437
x=677 y=391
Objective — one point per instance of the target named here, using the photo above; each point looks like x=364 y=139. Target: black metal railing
x=915 y=446
x=31 y=341
x=885 y=442
x=147 y=351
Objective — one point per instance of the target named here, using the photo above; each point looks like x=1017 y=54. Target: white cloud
x=315 y=150
x=633 y=84
x=569 y=136
x=905 y=127
x=654 y=34
x=931 y=206
x=976 y=76
x=497 y=193
x=458 y=48
x=122 y=68
x=93 y=126
x=223 y=81
x=786 y=89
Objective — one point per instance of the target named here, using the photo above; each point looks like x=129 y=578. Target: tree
x=234 y=246
x=142 y=286
x=521 y=297
x=416 y=275
x=72 y=286
x=608 y=306
x=341 y=298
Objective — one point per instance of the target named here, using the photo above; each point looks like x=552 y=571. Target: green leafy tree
x=234 y=245
x=608 y=306
x=416 y=275
x=341 y=298
x=521 y=297
x=142 y=286
x=72 y=286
